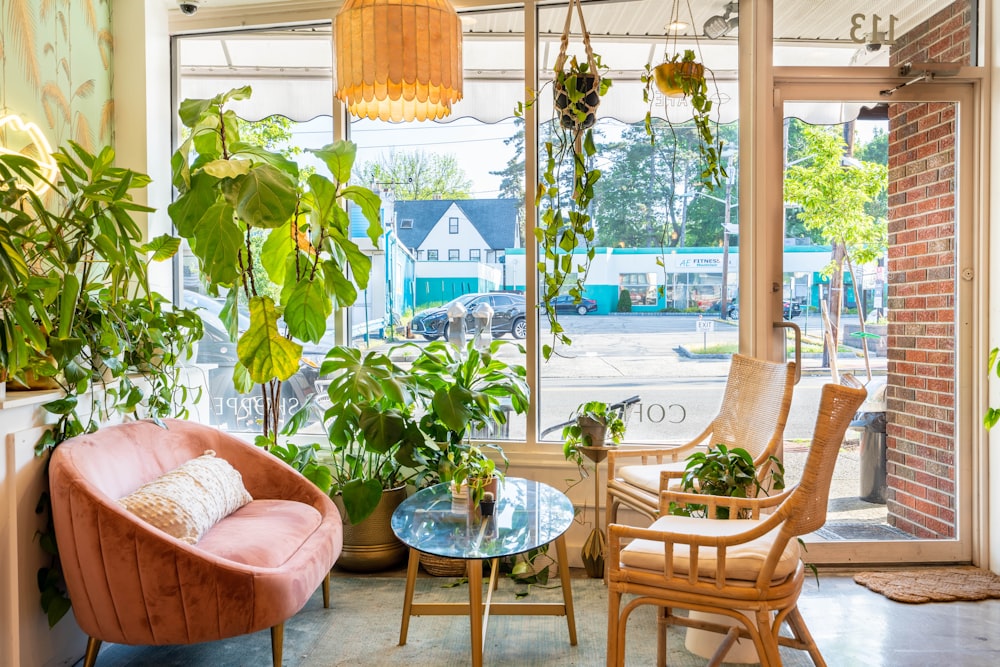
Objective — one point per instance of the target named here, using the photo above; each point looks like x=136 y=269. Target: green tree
x=835 y=197
x=418 y=175
x=273 y=133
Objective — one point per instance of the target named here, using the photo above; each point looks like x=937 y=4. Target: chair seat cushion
x=263 y=533
x=647 y=477
x=743 y=561
x=190 y=499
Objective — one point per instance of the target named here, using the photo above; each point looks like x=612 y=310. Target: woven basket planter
x=441 y=566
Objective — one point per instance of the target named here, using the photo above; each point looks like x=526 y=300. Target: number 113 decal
x=877 y=34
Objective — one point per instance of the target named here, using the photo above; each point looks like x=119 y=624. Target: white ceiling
x=627 y=34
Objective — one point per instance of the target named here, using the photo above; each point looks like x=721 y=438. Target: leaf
x=382 y=428
x=262 y=349
x=241 y=379
x=266 y=197
x=227 y=168
x=338 y=158
x=62 y=406
x=187 y=210
x=360 y=498
x=306 y=311
x=163 y=247
x=275 y=251
x=217 y=243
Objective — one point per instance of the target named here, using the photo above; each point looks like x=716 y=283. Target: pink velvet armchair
x=131 y=583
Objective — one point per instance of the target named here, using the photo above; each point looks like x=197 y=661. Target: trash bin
x=870 y=421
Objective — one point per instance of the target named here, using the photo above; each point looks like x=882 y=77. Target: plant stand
x=596 y=545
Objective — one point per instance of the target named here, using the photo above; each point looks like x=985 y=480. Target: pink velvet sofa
x=131 y=583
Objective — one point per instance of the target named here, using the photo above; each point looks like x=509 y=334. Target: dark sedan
x=791 y=309
x=509 y=316
x=565 y=304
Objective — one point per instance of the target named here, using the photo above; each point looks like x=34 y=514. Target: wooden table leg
x=475 y=569
x=566 y=589
x=411 y=580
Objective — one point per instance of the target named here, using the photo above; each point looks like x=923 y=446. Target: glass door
x=878 y=229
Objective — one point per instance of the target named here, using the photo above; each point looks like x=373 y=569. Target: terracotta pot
x=666 y=74
x=568 y=114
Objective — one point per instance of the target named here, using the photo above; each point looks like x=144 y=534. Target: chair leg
x=662 y=624
x=277 y=639
x=614 y=609
x=768 y=637
x=801 y=632
x=326 y=591
x=90 y=657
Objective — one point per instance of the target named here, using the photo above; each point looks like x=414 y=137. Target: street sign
x=704 y=325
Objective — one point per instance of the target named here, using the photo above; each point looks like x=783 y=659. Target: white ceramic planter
x=705 y=643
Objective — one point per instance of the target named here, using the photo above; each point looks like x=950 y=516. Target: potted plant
x=375 y=442
x=475 y=471
x=590 y=425
x=469 y=390
x=566 y=187
x=244 y=208
x=72 y=263
x=681 y=75
x=721 y=471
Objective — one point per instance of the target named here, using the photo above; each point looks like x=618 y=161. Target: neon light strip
x=44 y=160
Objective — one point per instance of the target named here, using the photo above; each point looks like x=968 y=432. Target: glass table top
x=528 y=515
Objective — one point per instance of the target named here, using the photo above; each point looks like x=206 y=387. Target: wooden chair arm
x=660 y=454
x=754 y=505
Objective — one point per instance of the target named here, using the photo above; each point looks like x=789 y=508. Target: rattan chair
x=754 y=410
x=749 y=570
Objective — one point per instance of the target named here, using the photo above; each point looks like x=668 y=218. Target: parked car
x=791 y=309
x=732 y=308
x=509 y=315
x=229 y=409
x=564 y=304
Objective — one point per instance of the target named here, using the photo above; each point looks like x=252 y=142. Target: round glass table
x=527 y=515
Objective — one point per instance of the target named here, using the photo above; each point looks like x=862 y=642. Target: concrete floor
x=856 y=627
x=853 y=627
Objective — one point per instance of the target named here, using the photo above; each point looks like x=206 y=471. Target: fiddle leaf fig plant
x=232 y=194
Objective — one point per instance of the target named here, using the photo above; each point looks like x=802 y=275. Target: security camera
x=189 y=7
x=875 y=41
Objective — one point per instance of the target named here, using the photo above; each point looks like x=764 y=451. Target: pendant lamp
x=398 y=60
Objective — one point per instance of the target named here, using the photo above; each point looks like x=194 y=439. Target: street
x=614 y=357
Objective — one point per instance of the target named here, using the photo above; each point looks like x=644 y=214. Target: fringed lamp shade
x=398 y=59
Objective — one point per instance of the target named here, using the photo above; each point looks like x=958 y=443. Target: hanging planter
x=565 y=231
x=683 y=75
x=672 y=78
x=576 y=97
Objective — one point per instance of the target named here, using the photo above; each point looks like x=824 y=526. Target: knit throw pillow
x=190 y=499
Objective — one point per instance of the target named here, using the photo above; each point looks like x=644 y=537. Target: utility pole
x=724 y=299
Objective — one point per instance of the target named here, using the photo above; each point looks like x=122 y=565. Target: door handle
x=798 y=345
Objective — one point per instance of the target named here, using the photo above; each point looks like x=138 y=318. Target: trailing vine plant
x=566 y=185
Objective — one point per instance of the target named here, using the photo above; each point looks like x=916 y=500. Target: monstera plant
x=243 y=208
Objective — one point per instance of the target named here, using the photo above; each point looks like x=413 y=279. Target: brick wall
x=922 y=285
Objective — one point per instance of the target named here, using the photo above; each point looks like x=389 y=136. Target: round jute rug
x=933 y=584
